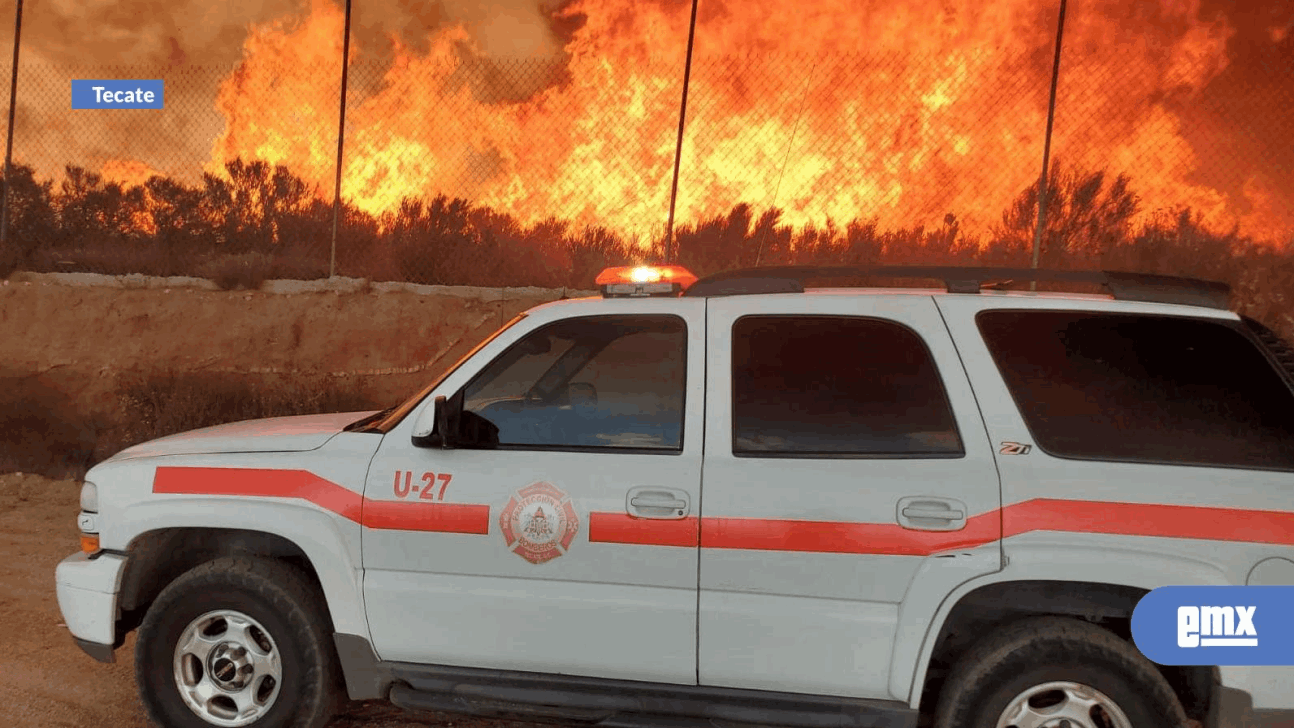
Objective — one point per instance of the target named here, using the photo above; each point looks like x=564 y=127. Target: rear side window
x=1158 y=389
x=835 y=386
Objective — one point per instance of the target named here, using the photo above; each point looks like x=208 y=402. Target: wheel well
x=156 y=558
x=988 y=608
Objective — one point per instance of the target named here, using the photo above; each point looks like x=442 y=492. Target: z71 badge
x=539 y=523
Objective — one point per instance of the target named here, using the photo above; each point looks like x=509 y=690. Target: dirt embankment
x=79 y=338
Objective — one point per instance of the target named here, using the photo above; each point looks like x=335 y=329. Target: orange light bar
x=89 y=542
x=646 y=274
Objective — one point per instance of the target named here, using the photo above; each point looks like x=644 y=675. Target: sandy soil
x=45 y=680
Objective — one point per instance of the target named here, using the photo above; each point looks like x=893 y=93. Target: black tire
x=286 y=606
x=1036 y=651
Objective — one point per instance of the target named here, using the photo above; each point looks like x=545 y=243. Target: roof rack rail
x=1122 y=285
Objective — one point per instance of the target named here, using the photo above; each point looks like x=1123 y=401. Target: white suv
x=727 y=501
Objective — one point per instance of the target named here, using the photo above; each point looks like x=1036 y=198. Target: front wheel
x=234 y=643
x=1054 y=672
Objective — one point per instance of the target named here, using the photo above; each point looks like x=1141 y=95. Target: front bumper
x=87 y=589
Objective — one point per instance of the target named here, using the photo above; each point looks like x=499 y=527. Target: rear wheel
x=1054 y=672
x=238 y=642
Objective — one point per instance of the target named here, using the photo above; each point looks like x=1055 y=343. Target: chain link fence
x=459 y=168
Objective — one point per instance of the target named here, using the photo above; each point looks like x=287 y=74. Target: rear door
x=845 y=461
x=570 y=545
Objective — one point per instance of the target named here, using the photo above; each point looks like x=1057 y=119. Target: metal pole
x=678 y=148
x=1046 y=146
x=759 y=252
x=8 y=152
x=341 y=142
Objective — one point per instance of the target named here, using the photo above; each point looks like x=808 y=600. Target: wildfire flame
x=126 y=172
x=830 y=109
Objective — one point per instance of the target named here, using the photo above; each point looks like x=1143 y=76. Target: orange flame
x=126 y=172
x=831 y=109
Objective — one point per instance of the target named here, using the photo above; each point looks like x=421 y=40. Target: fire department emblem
x=539 y=523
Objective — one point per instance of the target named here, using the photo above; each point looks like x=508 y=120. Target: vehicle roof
x=988 y=298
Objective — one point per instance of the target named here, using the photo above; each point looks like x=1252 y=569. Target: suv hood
x=276 y=434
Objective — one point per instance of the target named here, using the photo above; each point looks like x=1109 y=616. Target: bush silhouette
x=257 y=221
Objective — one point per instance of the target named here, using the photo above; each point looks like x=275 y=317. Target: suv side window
x=1160 y=389
x=837 y=386
x=588 y=382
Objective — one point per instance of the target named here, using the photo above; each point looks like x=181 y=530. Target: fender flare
x=330 y=542
x=919 y=626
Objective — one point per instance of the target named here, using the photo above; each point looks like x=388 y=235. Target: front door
x=568 y=543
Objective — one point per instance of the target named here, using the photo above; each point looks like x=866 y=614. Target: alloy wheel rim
x=1063 y=704
x=227 y=668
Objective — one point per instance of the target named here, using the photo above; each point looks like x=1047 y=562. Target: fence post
x=341 y=142
x=678 y=147
x=8 y=154
x=1046 y=146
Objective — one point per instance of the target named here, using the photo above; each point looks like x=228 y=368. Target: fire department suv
x=738 y=500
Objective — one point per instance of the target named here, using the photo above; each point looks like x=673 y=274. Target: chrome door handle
x=931 y=513
x=648 y=502
x=939 y=513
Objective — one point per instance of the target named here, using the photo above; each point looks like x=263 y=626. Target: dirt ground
x=45 y=680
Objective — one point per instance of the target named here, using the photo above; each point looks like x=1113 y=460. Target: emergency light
x=644 y=280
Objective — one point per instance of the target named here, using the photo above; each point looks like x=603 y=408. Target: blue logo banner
x=90 y=94
x=1216 y=625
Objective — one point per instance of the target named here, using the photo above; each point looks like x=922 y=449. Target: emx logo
x=1216 y=625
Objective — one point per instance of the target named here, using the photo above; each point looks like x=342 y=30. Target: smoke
x=496 y=32
x=190 y=44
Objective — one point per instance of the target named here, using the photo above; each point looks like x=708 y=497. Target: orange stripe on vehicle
x=763 y=534
x=436 y=517
x=1043 y=514
x=624 y=528
x=302 y=484
x=842 y=538
x=767 y=534
x=259 y=482
x=1142 y=519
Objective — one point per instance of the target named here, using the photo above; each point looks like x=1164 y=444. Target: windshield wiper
x=365 y=424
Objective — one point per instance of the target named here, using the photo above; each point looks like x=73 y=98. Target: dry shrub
x=233 y=272
x=152 y=406
x=41 y=429
x=299 y=268
x=138 y=259
x=9 y=260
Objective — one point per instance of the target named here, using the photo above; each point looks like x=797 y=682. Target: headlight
x=89 y=498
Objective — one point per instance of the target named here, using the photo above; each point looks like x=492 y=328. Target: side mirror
x=432 y=427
